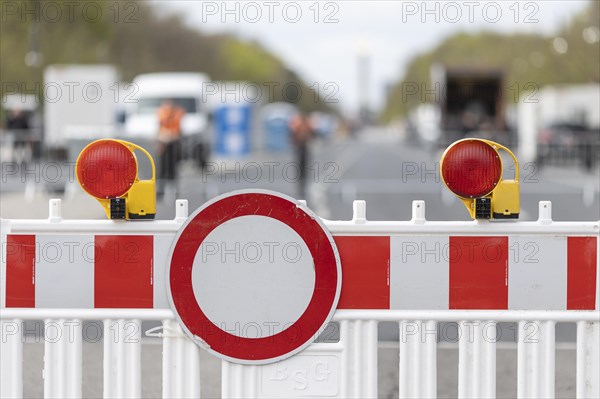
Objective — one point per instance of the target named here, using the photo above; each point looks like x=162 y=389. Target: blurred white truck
x=80 y=104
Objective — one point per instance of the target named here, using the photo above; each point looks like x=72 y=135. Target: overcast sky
x=321 y=41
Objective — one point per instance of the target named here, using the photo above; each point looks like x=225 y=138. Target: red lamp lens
x=471 y=168
x=106 y=169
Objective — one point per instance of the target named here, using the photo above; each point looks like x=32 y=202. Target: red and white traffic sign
x=253 y=276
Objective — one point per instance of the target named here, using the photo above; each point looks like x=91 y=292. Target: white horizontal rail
x=85 y=314
x=91 y=226
x=485 y=228
x=467 y=315
x=462 y=228
x=367 y=315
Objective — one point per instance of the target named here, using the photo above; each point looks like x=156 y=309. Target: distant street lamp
x=363 y=64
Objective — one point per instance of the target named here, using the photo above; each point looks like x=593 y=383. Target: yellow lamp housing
x=472 y=170
x=107 y=170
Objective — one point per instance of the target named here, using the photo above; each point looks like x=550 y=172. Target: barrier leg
x=477 y=359
x=588 y=354
x=62 y=358
x=536 y=357
x=359 y=358
x=181 y=363
x=11 y=359
x=122 y=358
x=418 y=359
x=234 y=381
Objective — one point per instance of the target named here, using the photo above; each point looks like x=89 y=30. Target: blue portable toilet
x=275 y=122
x=233 y=124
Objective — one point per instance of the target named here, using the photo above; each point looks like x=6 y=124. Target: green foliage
x=137 y=39
x=527 y=60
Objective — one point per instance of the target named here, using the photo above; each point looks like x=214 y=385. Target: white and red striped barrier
x=379 y=272
x=530 y=269
x=418 y=271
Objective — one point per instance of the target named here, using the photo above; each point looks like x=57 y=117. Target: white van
x=149 y=91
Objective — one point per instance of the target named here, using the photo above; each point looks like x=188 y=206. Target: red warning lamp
x=472 y=169
x=108 y=171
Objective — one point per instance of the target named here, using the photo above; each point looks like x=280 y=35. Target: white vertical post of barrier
x=418 y=345
x=11 y=359
x=477 y=359
x=62 y=358
x=55 y=210
x=181 y=363
x=62 y=344
x=536 y=357
x=359 y=212
x=122 y=358
x=235 y=381
x=181 y=210
x=418 y=212
x=588 y=358
x=359 y=358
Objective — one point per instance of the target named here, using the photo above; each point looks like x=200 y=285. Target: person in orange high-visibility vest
x=169 y=146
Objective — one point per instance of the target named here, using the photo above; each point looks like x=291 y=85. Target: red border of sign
x=327 y=276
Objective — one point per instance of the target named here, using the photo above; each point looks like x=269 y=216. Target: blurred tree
x=136 y=38
x=528 y=60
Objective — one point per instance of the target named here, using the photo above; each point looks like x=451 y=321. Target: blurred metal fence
x=23 y=145
x=584 y=153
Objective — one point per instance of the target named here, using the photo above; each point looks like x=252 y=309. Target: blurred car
x=565 y=142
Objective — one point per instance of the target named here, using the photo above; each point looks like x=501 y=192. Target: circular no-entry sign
x=253 y=276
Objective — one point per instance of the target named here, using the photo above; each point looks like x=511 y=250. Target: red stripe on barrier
x=478 y=272
x=20 y=271
x=582 y=260
x=365 y=272
x=123 y=271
